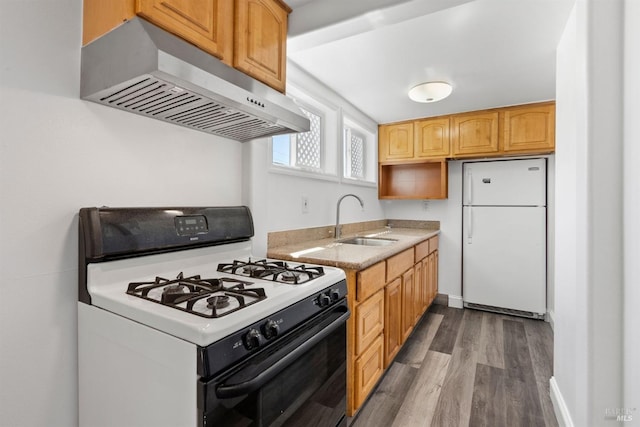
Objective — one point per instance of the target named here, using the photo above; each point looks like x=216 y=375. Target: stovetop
x=202 y=295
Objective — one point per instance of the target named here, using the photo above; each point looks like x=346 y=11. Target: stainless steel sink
x=368 y=241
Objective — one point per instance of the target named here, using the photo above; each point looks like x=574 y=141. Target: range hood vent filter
x=152 y=97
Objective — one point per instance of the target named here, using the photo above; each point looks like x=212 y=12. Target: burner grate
x=277 y=271
x=210 y=298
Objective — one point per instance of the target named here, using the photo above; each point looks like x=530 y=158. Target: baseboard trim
x=455 y=301
x=559 y=406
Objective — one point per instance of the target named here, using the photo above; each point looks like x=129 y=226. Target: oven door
x=300 y=380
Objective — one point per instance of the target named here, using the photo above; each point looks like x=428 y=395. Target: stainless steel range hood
x=143 y=69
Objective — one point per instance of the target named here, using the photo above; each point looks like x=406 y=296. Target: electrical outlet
x=425 y=205
x=305 y=204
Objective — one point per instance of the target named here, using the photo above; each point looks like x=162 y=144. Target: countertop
x=354 y=257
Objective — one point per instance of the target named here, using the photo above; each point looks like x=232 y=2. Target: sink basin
x=368 y=241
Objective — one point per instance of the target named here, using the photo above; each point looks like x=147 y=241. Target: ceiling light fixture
x=430 y=91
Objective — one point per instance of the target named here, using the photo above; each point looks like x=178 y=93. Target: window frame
x=322 y=108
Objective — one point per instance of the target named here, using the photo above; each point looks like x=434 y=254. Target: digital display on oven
x=191 y=225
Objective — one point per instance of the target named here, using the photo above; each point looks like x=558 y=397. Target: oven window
x=310 y=391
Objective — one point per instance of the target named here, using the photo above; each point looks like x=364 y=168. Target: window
x=353 y=154
x=359 y=148
x=301 y=150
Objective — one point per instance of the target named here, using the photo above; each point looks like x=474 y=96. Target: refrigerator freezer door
x=504 y=257
x=505 y=183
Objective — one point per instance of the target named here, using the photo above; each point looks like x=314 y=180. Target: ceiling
x=494 y=52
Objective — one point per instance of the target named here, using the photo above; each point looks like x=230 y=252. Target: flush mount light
x=430 y=91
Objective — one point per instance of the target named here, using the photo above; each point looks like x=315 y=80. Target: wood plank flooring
x=466 y=368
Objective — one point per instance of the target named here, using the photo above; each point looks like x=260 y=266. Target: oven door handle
x=235 y=390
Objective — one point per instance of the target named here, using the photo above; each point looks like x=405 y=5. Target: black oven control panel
x=191 y=225
x=267 y=331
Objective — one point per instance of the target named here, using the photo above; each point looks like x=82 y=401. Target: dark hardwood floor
x=466 y=368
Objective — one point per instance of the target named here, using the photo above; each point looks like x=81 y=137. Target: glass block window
x=308 y=144
x=354 y=155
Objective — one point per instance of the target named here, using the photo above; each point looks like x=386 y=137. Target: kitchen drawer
x=433 y=243
x=368 y=370
x=398 y=264
x=369 y=321
x=370 y=281
x=422 y=250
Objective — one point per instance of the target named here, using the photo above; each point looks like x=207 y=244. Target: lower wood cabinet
x=386 y=301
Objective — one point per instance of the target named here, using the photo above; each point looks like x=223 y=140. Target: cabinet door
x=529 y=129
x=207 y=24
x=474 y=134
x=426 y=283
x=260 y=40
x=395 y=142
x=417 y=292
x=432 y=138
x=369 y=321
x=407 y=304
x=433 y=267
x=393 y=320
x=368 y=369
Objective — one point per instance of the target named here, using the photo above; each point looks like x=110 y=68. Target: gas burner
x=209 y=298
x=277 y=271
x=219 y=301
x=290 y=276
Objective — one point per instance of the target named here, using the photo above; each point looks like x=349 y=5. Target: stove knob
x=324 y=300
x=252 y=339
x=335 y=294
x=270 y=329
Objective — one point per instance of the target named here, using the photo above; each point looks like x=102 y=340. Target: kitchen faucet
x=337 y=232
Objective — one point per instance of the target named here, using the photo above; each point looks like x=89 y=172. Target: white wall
x=570 y=341
x=596 y=340
x=58 y=154
x=631 y=372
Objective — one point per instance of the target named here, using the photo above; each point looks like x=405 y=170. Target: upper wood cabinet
x=261 y=40
x=250 y=35
x=476 y=133
x=423 y=139
x=395 y=142
x=100 y=17
x=432 y=138
x=205 y=23
x=529 y=128
x=412 y=154
x=413 y=180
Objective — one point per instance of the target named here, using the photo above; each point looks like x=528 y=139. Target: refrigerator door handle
x=470 y=224
x=469 y=186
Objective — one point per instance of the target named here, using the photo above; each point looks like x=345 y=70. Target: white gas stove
x=180 y=325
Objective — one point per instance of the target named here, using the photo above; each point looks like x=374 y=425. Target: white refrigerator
x=504 y=236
